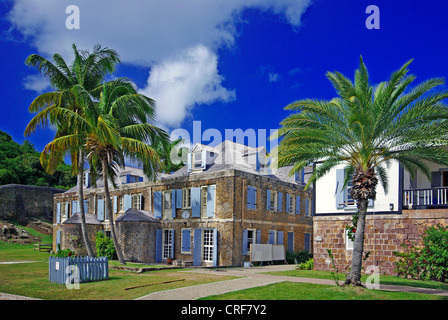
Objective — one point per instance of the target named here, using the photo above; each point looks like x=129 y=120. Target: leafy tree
x=366 y=128
x=61 y=108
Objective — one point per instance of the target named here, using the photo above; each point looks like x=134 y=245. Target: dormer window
x=197 y=160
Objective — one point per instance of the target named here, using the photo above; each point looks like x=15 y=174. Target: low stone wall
x=21 y=202
x=384 y=235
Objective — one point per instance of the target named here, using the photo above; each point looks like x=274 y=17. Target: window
x=204 y=201
x=136 y=201
x=167 y=204
x=273 y=200
x=186 y=198
x=292 y=204
x=186 y=241
x=348 y=241
x=250 y=238
x=272 y=237
x=64 y=211
x=167 y=243
x=120 y=204
x=197 y=160
x=349 y=200
x=207 y=245
x=251 y=197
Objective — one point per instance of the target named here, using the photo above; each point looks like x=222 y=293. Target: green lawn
x=390 y=280
x=307 y=291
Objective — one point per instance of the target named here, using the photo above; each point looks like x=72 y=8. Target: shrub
x=428 y=261
x=308 y=265
x=298 y=257
x=105 y=246
x=64 y=253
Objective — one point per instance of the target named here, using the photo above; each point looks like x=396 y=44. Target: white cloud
x=171 y=37
x=273 y=77
x=36 y=83
x=183 y=81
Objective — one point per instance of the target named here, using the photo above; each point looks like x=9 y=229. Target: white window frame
x=120 y=204
x=167 y=206
x=292 y=204
x=251 y=239
x=196 y=163
x=204 y=192
x=167 y=243
x=348 y=242
x=64 y=211
x=186 y=198
x=207 y=245
x=138 y=204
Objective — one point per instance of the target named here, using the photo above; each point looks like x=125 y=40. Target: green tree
x=169 y=151
x=62 y=108
x=366 y=128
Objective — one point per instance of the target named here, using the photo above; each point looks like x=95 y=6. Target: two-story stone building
x=207 y=213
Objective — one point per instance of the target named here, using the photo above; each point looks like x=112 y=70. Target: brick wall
x=384 y=234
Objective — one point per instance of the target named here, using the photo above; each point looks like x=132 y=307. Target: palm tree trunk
x=81 y=205
x=111 y=213
x=354 y=277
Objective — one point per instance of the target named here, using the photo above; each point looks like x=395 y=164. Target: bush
x=64 y=253
x=105 y=246
x=298 y=256
x=308 y=265
x=428 y=262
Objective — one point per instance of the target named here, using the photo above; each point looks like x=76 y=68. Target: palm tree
x=168 y=151
x=62 y=107
x=118 y=129
x=366 y=128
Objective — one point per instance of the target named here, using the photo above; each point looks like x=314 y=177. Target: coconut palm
x=365 y=128
x=119 y=127
x=169 y=153
x=61 y=108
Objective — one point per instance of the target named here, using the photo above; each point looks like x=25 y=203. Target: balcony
x=425 y=198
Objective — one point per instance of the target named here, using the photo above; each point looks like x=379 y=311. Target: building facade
x=397 y=217
x=206 y=214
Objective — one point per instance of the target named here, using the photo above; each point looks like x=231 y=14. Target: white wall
x=326 y=197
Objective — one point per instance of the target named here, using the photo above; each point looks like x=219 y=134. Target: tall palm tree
x=61 y=108
x=366 y=128
x=169 y=151
x=119 y=128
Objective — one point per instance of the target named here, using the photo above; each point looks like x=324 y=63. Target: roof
x=134 y=215
x=76 y=219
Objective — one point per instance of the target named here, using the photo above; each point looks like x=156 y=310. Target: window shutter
x=140 y=179
x=271 y=237
x=204 y=159
x=251 y=197
x=245 y=233
x=189 y=161
x=196 y=202
x=173 y=203
x=288 y=203
x=307 y=242
x=100 y=210
x=159 y=240
x=74 y=207
x=268 y=200
x=436 y=179
x=297 y=204
x=172 y=243
x=58 y=213
x=86 y=206
x=158 y=204
x=257 y=162
x=115 y=204
x=339 y=193
x=291 y=241
x=179 y=198
x=215 y=247
x=186 y=240
x=258 y=236
x=197 y=244
x=127 y=202
x=279 y=202
x=280 y=237
x=211 y=191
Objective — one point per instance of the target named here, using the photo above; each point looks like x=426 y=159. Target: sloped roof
x=76 y=219
x=134 y=215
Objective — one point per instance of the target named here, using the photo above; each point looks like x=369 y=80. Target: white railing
x=425 y=197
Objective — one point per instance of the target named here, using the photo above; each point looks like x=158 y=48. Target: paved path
x=254 y=277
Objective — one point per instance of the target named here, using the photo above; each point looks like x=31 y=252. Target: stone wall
x=137 y=240
x=71 y=237
x=21 y=202
x=384 y=234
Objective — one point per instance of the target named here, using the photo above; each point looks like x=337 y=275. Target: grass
x=308 y=291
x=384 y=279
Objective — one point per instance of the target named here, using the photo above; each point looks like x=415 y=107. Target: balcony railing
x=425 y=198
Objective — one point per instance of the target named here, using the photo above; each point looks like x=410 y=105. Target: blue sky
x=227 y=65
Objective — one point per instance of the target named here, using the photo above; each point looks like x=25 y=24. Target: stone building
x=207 y=213
x=398 y=217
